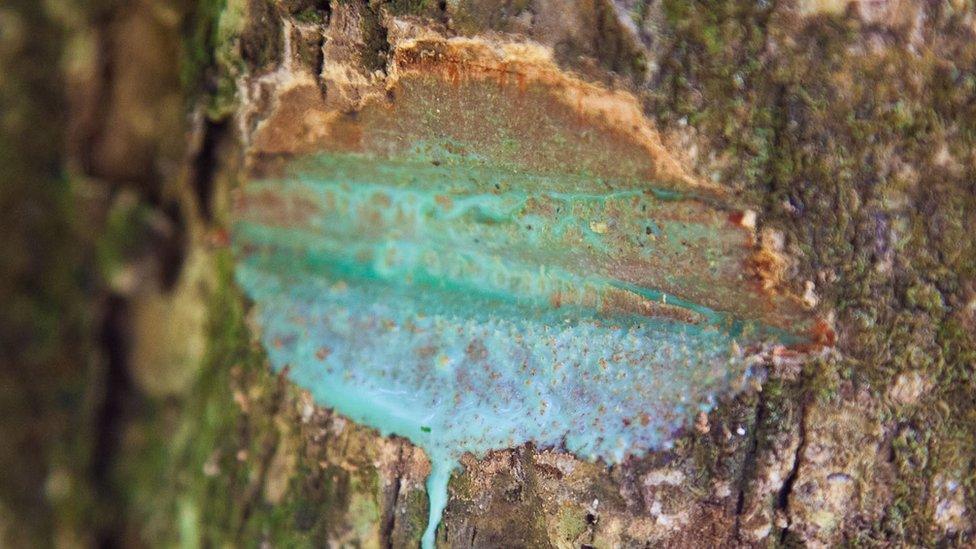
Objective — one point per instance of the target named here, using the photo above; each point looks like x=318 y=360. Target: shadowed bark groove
x=783 y=497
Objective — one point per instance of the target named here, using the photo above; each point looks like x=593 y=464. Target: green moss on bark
x=858 y=157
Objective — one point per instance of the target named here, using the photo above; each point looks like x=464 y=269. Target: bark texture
x=139 y=410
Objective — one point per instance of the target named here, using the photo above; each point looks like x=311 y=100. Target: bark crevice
x=783 y=497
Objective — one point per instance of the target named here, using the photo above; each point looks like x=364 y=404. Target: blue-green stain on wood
x=470 y=309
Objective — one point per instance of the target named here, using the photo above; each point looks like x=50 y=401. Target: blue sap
x=470 y=310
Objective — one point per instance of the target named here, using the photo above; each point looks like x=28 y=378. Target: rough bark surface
x=138 y=408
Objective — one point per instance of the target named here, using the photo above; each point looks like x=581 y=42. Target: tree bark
x=140 y=409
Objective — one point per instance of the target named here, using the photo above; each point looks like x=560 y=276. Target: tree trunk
x=140 y=406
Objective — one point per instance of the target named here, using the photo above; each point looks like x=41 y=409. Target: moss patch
x=859 y=157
